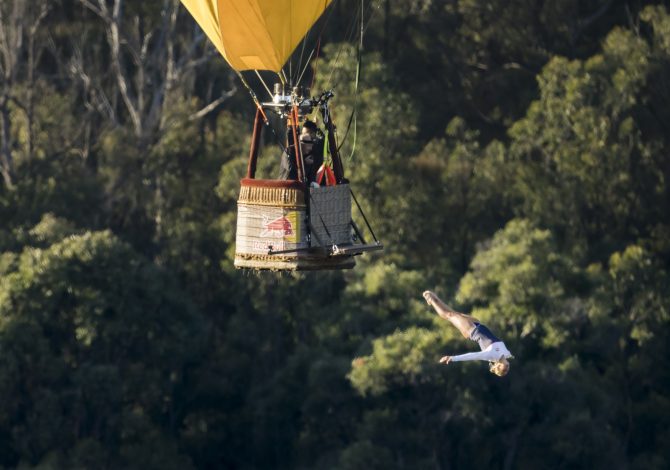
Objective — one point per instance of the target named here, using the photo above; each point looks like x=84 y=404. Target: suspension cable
x=263 y=82
x=358 y=76
x=306 y=65
x=353 y=117
x=260 y=108
x=253 y=96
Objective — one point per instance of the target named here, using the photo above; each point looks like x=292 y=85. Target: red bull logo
x=278 y=228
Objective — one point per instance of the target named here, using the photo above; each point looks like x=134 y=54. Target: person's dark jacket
x=312 y=154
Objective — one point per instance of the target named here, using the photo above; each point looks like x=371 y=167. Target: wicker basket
x=272 y=215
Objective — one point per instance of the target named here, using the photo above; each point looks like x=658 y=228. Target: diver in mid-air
x=492 y=348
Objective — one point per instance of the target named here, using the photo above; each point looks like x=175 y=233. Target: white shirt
x=493 y=353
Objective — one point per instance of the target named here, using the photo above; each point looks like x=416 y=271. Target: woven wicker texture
x=278 y=197
x=301 y=263
x=276 y=217
x=261 y=227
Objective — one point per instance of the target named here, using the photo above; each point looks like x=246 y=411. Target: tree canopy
x=513 y=156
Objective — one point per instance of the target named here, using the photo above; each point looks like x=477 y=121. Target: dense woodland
x=512 y=155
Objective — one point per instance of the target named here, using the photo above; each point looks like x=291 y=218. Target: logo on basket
x=277 y=228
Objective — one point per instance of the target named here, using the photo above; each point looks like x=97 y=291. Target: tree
x=95 y=346
x=19 y=29
x=590 y=161
x=628 y=348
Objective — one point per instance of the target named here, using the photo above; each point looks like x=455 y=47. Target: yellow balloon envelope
x=256 y=34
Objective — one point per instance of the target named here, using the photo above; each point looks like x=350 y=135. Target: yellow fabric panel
x=256 y=34
x=205 y=12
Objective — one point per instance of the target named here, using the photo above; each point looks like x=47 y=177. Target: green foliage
x=95 y=343
x=466 y=185
x=519 y=278
x=583 y=159
x=511 y=156
x=397 y=360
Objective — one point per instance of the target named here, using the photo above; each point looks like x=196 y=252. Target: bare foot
x=430 y=297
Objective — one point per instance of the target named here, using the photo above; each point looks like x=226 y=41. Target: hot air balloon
x=297 y=223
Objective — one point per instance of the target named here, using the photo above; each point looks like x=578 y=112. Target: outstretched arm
x=493 y=353
x=476 y=356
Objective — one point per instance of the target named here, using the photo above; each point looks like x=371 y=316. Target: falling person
x=492 y=348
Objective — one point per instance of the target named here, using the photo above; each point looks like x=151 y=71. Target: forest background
x=513 y=155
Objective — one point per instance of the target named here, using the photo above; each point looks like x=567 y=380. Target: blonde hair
x=500 y=367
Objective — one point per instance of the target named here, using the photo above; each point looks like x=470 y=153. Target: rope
x=354 y=113
x=302 y=51
x=358 y=76
x=348 y=37
x=305 y=69
x=264 y=84
x=318 y=46
x=316 y=62
x=371 y=10
x=260 y=109
x=363 y=214
x=253 y=97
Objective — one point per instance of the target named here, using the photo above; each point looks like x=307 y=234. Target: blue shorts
x=482 y=335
